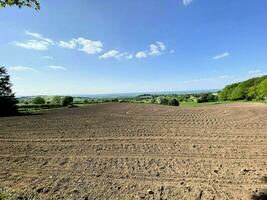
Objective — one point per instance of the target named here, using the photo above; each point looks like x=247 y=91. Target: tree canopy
x=252 y=89
x=20 y=3
x=7 y=98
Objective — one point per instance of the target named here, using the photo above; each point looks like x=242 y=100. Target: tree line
x=252 y=89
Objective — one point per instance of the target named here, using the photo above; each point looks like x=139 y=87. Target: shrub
x=174 y=102
x=163 y=100
x=38 y=100
x=67 y=100
x=56 y=100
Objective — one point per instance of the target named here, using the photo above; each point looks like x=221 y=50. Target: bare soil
x=136 y=151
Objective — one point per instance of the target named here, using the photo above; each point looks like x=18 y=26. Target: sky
x=117 y=46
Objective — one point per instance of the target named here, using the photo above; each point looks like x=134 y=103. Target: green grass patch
x=195 y=104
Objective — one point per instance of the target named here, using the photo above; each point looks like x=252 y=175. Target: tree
x=38 y=100
x=262 y=89
x=20 y=3
x=56 y=100
x=162 y=100
x=7 y=98
x=67 y=100
x=174 y=102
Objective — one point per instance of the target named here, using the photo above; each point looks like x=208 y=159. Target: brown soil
x=136 y=151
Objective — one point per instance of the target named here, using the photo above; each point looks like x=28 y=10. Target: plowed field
x=136 y=151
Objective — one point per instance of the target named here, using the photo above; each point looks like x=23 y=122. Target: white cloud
x=110 y=54
x=257 y=71
x=154 y=50
x=116 y=54
x=89 y=46
x=48 y=57
x=41 y=44
x=21 y=68
x=33 y=44
x=172 y=51
x=161 y=46
x=187 y=2
x=85 y=45
x=57 y=67
x=220 y=56
x=157 y=49
x=69 y=45
x=141 y=54
x=39 y=36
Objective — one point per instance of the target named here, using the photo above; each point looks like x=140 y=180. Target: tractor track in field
x=136 y=151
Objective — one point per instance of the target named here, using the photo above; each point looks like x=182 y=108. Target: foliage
x=20 y=3
x=7 y=98
x=56 y=100
x=174 y=102
x=163 y=100
x=38 y=100
x=206 y=97
x=67 y=100
x=252 y=89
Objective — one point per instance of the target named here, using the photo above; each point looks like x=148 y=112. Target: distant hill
x=252 y=89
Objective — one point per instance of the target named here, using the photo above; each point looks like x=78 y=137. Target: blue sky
x=117 y=46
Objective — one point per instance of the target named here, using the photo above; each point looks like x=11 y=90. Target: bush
x=38 y=100
x=56 y=100
x=67 y=100
x=163 y=101
x=174 y=102
x=206 y=97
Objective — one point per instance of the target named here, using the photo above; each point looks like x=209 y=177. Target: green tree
x=262 y=89
x=226 y=93
x=163 y=100
x=38 y=100
x=174 y=102
x=56 y=100
x=67 y=100
x=20 y=3
x=7 y=98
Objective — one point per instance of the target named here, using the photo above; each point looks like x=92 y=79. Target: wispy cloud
x=57 y=67
x=157 y=49
x=187 y=2
x=48 y=57
x=39 y=36
x=85 y=45
x=33 y=44
x=22 y=68
x=141 y=54
x=39 y=43
x=116 y=54
x=69 y=45
x=220 y=56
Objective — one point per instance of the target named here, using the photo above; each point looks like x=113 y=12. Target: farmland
x=136 y=151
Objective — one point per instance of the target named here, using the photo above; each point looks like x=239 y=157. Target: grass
x=195 y=104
